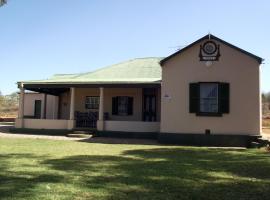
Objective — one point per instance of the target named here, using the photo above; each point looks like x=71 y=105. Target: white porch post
x=100 y=124
x=21 y=103
x=72 y=102
x=19 y=123
x=45 y=106
x=72 y=107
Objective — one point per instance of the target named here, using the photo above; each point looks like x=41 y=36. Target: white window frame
x=92 y=102
x=123 y=105
x=209 y=103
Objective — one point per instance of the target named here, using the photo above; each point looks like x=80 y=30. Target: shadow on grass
x=173 y=173
x=21 y=184
x=158 y=173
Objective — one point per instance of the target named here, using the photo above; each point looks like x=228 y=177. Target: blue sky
x=41 y=38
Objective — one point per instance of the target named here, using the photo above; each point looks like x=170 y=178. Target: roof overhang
x=56 y=89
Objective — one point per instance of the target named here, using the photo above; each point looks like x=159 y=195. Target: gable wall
x=234 y=67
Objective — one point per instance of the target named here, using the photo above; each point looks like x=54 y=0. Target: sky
x=39 y=38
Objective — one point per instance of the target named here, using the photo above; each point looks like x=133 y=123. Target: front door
x=37 y=112
x=149 y=108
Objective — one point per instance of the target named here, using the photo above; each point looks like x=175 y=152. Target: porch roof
x=136 y=71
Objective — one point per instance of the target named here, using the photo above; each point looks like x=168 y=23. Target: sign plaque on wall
x=209 y=51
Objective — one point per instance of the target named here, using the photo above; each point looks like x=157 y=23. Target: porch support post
x=72 y=102
x=21 y=105
x=71 y=111
x=45 y=106
x=20 y=121
x=100 y=124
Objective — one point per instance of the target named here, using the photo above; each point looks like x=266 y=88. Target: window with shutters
x=122 y=105
x=209 y=98
x=92 y=102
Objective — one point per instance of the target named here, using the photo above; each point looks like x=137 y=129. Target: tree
x=2 y=2
x=266 y=97
x=263 y=97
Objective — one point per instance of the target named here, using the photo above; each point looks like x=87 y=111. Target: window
x=92 y=102
x=209 y=99
x=122 y=105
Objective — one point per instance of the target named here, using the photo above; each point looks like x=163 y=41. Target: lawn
x=47 y=169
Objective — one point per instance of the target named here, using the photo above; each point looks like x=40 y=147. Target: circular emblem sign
x=209 y=47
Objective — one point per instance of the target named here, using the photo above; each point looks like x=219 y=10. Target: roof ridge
x=116 y=64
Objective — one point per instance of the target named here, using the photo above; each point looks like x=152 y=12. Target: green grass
x=45 y=169
x=7 y=123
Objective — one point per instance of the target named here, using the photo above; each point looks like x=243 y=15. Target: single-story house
x=208 y=91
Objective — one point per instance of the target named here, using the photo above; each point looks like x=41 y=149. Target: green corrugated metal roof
x=140 y=70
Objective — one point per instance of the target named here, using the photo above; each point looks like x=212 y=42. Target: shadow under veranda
x=111 y=140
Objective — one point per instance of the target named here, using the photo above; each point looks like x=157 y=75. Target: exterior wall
x=64 y=105
x=51 y=107
x=158 y=104
x=80 y=97
x=136 y=93
x=29 y=103
x=131 y=126
x=45 y=124
x=234 y=67
x=109 y=93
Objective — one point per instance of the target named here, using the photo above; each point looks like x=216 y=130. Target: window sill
x=209 y=114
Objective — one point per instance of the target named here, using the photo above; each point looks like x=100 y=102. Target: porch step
x=80 y=134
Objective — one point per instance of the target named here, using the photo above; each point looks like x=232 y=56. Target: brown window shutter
x=194 y=97
x=130 y=105
x=115 y=106
x=224 y=97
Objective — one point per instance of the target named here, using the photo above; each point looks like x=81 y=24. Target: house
x=205 y=93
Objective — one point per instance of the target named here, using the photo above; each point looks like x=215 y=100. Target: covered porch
x=102 y=107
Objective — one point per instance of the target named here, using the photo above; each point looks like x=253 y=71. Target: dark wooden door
x=149 y=108
x=37 y=112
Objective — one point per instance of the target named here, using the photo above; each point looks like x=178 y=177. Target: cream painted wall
x=109 y=93
x=234 y=67
x=51 y=107
x=136 y=93
x=45 y=124
x=64 y=105
x=131 y=126
x=29 y=103
x=80 y=97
